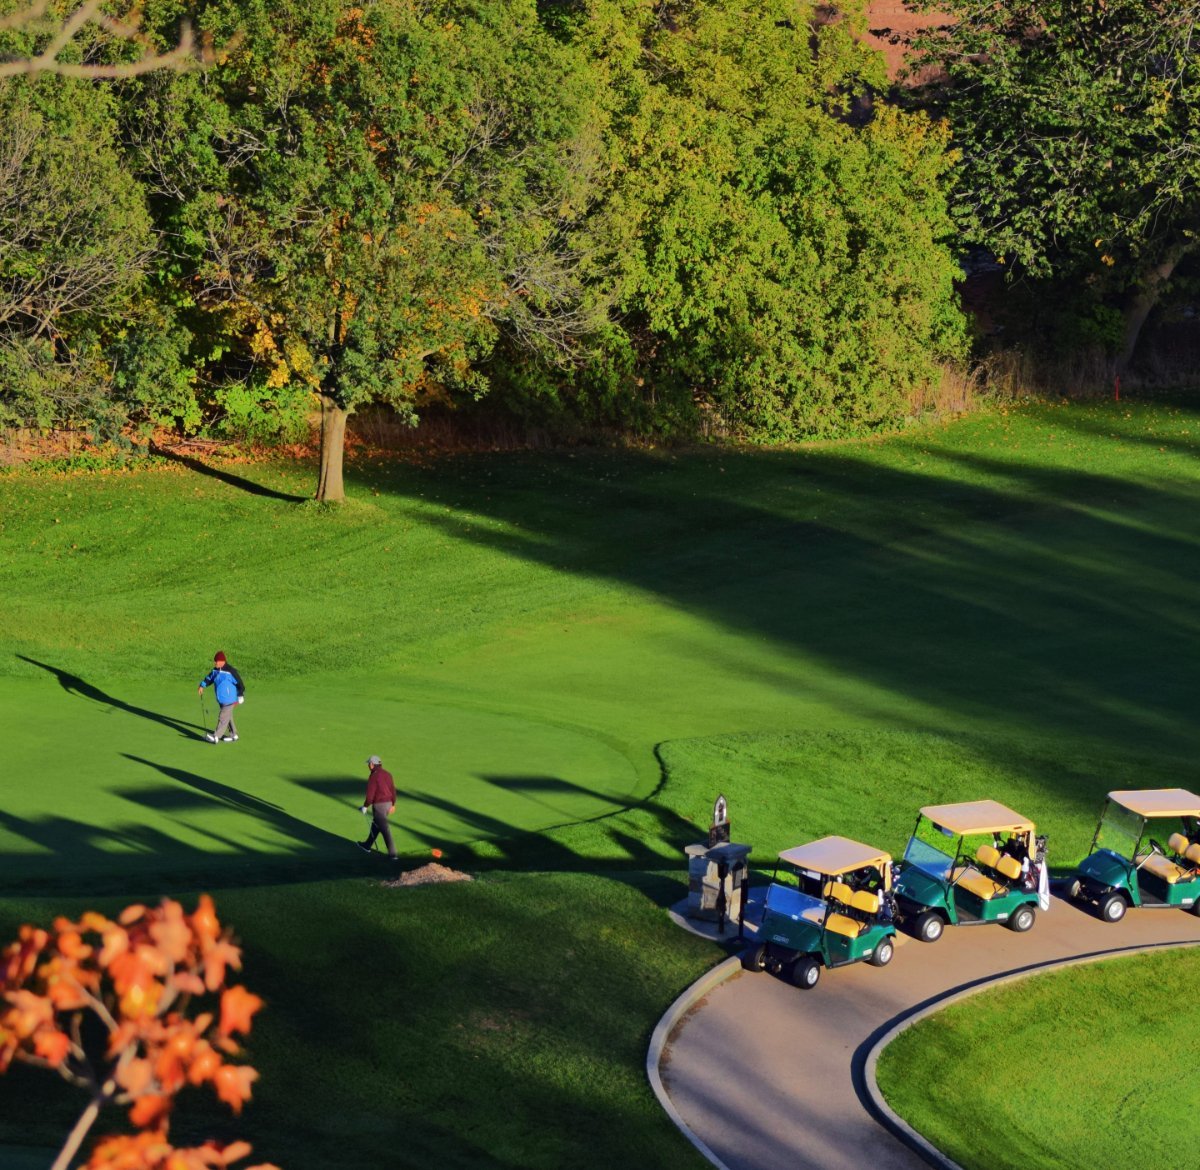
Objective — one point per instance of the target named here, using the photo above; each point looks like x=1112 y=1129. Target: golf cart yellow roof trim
x=835 y=855
x=977 y=816
x=1158 y=802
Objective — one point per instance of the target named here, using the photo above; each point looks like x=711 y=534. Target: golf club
x=204 y=712
x=367 y=812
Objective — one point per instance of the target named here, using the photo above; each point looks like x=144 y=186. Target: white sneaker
x=229 y=739
x=208 y=735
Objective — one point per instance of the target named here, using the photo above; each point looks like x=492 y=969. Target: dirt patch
x=427 y=875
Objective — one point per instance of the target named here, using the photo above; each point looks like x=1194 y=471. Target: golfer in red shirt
x=381 y=800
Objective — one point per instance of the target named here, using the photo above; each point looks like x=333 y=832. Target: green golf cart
x=1125 y=867
x=970 y=864
x=828 y=906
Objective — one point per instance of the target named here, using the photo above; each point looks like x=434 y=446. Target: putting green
x=115 y=780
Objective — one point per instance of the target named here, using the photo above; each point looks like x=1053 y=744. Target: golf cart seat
x=839 y=892
x=1158 y=865
x=1186 y=851
x=865 y=902
x=988 y=855
x=991 y=858
x=969 y=878
x=843 y=924
x=1009 y=867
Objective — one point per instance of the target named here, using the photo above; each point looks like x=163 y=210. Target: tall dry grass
x=1014 y=373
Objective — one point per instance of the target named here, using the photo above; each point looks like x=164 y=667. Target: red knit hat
x=219 y=656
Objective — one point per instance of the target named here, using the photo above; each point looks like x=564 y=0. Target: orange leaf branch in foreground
x=106 y=1004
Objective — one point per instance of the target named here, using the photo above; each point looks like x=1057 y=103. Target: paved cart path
x=768 y=1076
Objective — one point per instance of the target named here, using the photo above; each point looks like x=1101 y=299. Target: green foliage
x=39 y=387
x=364 y=196
x=668 y=218
x=74 y=242
x=782 y=271
x=153 y=376
x=1080 y=145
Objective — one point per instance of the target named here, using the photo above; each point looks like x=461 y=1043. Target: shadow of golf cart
x=1125 y=867
x=828 y=905
x=970 y=864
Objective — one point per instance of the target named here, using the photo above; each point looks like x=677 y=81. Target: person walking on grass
x=381 y=800
x=230 y=692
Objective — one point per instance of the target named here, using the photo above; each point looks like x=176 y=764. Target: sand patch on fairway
x=427 y=875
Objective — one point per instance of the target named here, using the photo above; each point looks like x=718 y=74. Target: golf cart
x=970 y=864
x=1126 y=868
x=828 y=905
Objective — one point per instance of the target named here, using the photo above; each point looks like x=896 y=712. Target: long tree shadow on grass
x=496 y=844
x=132 y=856
x=226 y=477
x=74 y=685
x=1053 y=599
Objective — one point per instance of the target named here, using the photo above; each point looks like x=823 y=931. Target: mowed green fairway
x=515 y=634
x=1024 y=1076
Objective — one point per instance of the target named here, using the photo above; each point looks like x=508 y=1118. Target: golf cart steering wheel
x=1156 y=847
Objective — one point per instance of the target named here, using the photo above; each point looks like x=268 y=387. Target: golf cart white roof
x=977 y=816
x=1158 y=802
x=835 y=855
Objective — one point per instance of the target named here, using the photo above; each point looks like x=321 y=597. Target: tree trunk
x=333 y=443
x=1144 y=297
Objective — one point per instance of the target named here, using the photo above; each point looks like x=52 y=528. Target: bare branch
x=184 y=53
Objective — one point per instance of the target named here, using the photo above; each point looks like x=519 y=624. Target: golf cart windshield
x=793 y=904
x=1119 y=830
x=927 y=859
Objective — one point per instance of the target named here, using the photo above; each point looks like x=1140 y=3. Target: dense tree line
x=1078 y=126
x=660 y=216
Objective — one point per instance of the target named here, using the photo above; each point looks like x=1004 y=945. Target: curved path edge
x=865 y=1059
x=690 y=997
x=875 y=1044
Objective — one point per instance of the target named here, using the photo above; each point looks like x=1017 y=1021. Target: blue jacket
x=228 y=683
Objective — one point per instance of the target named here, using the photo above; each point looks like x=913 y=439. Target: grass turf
x=1026 y=1076
x=514 y=634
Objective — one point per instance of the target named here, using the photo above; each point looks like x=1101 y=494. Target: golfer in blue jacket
x=230 y=692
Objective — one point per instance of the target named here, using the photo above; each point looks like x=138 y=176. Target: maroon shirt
x=381 y=788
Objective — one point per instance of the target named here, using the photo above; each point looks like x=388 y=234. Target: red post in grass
x=1117 y=388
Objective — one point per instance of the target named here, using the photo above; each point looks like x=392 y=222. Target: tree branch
x=183 y=54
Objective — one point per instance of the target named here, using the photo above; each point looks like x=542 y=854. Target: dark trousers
x=379 y=824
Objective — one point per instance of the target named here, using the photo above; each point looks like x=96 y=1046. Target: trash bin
x=717 y=883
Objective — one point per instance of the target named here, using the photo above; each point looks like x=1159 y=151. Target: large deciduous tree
x=75 y=240
x=365 y=195
x=1080 y=137
x=782 y=255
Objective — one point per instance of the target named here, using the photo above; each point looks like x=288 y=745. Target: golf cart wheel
x=1113 y=908
x=806 y=971
x=929 y=926
x=1074 y=890
x=755 y=959
x=883 y=954
x=1196 y=907
x=1023 y=919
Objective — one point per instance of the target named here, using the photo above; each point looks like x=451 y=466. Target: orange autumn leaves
x=154 y=980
